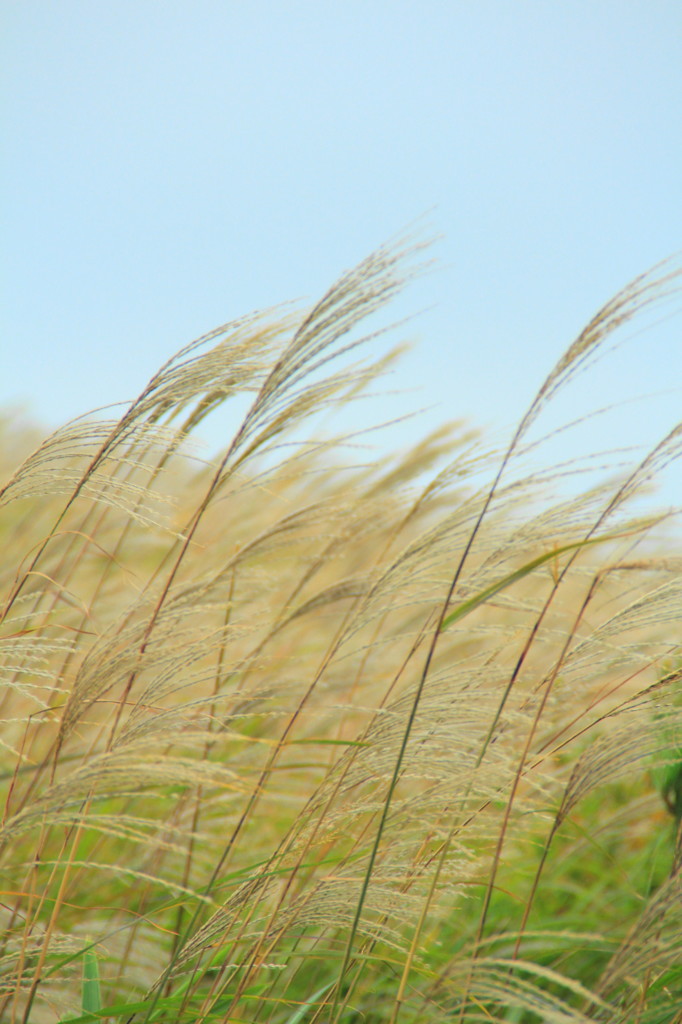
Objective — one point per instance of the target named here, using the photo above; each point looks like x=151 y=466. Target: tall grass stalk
x=290 y=740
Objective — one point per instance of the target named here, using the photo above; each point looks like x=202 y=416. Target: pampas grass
x=289 y=740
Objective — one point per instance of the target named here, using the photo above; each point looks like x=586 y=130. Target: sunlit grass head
x=288 y=738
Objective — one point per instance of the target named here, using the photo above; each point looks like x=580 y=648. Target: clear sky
x=172 y=165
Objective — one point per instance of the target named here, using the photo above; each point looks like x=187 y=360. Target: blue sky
x=171 y=166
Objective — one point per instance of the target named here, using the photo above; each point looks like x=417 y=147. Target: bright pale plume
x=287 y=739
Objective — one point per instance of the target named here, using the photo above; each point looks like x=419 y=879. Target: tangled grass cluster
x=286 y=740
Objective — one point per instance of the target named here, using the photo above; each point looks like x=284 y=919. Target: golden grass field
x=286 y=739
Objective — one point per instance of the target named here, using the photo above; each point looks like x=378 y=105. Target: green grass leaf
x=91 y=999
x=479 y=599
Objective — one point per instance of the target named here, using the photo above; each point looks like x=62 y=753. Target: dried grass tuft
x=287 y=740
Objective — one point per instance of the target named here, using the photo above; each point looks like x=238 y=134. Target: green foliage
x=91 y=1000
x=668 y=771
x=291 y=741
